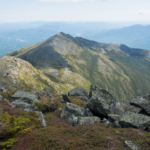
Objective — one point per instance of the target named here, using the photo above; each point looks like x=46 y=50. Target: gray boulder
x=106 y=121
x=70 y=109
x=118 y=109
x=142 y=102
x=78 y=121
x=87 y=112
x=1 y=97
x=130 y=119
x=78 y=91
x=41 y=118
x=50 y=95
x=131 y=145
x=113 y=117
x=41 y=93
x=101 y=102
x=64 y=98
x=47 y=89
x=131 y=108
x=24 y=100
x=116 y=124
x=2 y=88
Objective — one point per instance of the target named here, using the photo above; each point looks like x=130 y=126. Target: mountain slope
x=121 y=70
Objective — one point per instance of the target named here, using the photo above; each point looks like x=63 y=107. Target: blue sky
x=74 y=10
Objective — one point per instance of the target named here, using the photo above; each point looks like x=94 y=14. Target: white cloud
x=65 y=0
x=78 y=34
x=143 y=12
x=21 y=40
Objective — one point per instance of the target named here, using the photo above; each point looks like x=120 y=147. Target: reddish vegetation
x=58 y=135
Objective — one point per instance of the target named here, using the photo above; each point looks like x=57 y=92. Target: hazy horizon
x=75 y=10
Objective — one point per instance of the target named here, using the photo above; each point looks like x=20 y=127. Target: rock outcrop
x=78 y=91
x=142 y=102
x=131 y=145
x=41 y=118
x=130 y=119
x=75 y=121
x=101 y=102
x=64 y=98
x=1 y=97
x=24 y=100
x=71 y=109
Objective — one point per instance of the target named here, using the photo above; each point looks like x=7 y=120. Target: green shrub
x=10 y=126
x=8 y=144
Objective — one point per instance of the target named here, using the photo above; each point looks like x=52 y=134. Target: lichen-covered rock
x=47 y=89
x=106 y=121
x=130 y=119
x=41 y=93
x=113 y=117
x=64 y=98
x=70 y=109
x=50 y=95
x=24 y=96
x=142 y=102
x=2 y=88
x=101 y=102
x=118 y=109
x=24 y=100
x=87 y=112
x=116 y=124
x=131 y=145
x=131 y=108
x=1 y=97
x=78 y=121
x=41 y=118
x=78 y=91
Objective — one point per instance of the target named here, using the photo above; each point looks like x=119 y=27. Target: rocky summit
x=72 y=93
x=99 y=108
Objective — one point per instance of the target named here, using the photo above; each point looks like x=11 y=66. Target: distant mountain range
x=63 y=62
x=136 y=36
x=15 y=36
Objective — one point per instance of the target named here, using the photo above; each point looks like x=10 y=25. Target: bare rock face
x=64 y=98
x=130 y=119
x=100 y=101
x=41 y=118
x=23 y=99
x=78 y=91
x=142 y=102
x=78 y=121
x=70 y=109
x=1 y=97
x=131 y=145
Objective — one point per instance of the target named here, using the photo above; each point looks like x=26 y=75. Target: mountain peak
x=61 y=34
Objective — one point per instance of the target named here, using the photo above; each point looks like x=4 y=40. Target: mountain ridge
x=121 y=70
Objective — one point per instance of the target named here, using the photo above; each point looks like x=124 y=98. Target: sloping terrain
x=121 y=70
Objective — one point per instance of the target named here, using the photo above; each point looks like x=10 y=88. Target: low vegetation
x=28 y=134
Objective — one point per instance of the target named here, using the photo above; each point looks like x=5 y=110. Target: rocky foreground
x=99 y=107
